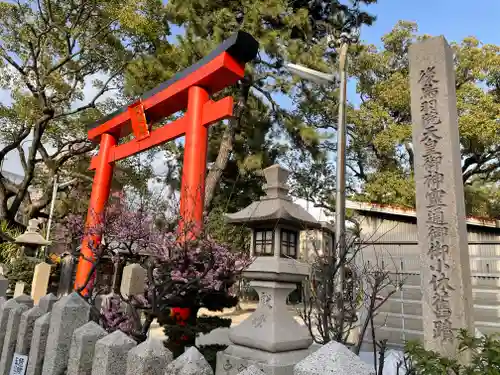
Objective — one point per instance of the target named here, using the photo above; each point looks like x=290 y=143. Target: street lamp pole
x=341 y=167
x=55 y=189
x=52 y=206
x=343 y=42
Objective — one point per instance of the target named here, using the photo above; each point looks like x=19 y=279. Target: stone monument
x=133 y=280
x=40 y=281
x=271 y=339
x=442 y=232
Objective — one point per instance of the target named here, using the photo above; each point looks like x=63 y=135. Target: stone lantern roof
x=276 y=205
x=32 y=236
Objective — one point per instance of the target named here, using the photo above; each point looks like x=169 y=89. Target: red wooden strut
x=189 y=90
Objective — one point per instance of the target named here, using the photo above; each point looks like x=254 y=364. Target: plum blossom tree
x=184 y=274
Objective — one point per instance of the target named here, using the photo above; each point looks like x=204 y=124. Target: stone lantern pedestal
x=271 y=338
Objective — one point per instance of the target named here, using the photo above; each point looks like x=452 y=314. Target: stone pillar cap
x=276 y=178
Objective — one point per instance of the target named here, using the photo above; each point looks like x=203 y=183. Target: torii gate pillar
x=188 y=90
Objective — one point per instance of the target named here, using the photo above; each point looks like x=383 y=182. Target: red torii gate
x=190 y=90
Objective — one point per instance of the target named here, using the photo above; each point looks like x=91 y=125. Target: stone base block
x=237 y=358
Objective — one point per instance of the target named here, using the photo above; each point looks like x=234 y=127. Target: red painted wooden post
x=195 y=163
x=98 y=198
x=189 y=90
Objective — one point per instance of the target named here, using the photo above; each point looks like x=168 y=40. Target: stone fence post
x=38 y=345
x=40 y=281
x=9 y=343
x=25 y=332
x=81 y=353
x=111 y=353
x=33 y=331
x=68 y=314
x=5 y=310
x=333 y=358
x=191 y=362
x=151 y=358
x=66 y=278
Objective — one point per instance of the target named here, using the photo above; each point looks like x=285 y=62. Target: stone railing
x=56 y=338
x=41 y=335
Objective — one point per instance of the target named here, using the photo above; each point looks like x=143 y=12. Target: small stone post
x=38 y=345
x=111 y=352
x=133 y=282
x=26 y=326
x=5 y=310
x=442 y=230
x=25 y=300
x=333 y=358
x=66 y=279
x=40 y=281
x=9 y=343
x=68 y=314
x=81 y=353
x=4 y=285
x=46 y=302
x=151 y=357
x=19 y=289
x=191 y=362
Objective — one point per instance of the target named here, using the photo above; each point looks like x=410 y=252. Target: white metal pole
x=52 y=205
x=341 y=167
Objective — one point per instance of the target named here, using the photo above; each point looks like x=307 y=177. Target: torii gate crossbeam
x=188 y=90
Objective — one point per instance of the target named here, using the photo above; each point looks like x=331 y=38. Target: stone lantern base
x=270 y=339
x=237 y=358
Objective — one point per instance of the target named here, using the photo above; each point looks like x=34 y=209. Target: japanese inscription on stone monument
x=437 y=228
x=441 y=221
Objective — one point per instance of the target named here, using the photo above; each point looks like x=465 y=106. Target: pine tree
x=262 y=130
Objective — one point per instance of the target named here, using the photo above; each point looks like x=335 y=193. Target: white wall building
x=389 y=237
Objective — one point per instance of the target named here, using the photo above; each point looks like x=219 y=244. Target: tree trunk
x=381 y=357
x=226 y=146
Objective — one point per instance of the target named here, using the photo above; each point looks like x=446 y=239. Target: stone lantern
x=31 y=239
x=275 y=221
x=271 y=338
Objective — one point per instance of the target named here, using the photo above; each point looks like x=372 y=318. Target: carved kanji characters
x=432 y=161
x=437 y=232
x=443 y=330
x=435 y=215
x=435 y=198
x=441 y=305
x=440 y=281
x=433 y=180
x=428 y=81
x=437 y=250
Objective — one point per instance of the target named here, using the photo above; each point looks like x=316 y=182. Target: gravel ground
x=219 y=335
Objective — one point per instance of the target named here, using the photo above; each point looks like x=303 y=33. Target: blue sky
x=455 y=19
